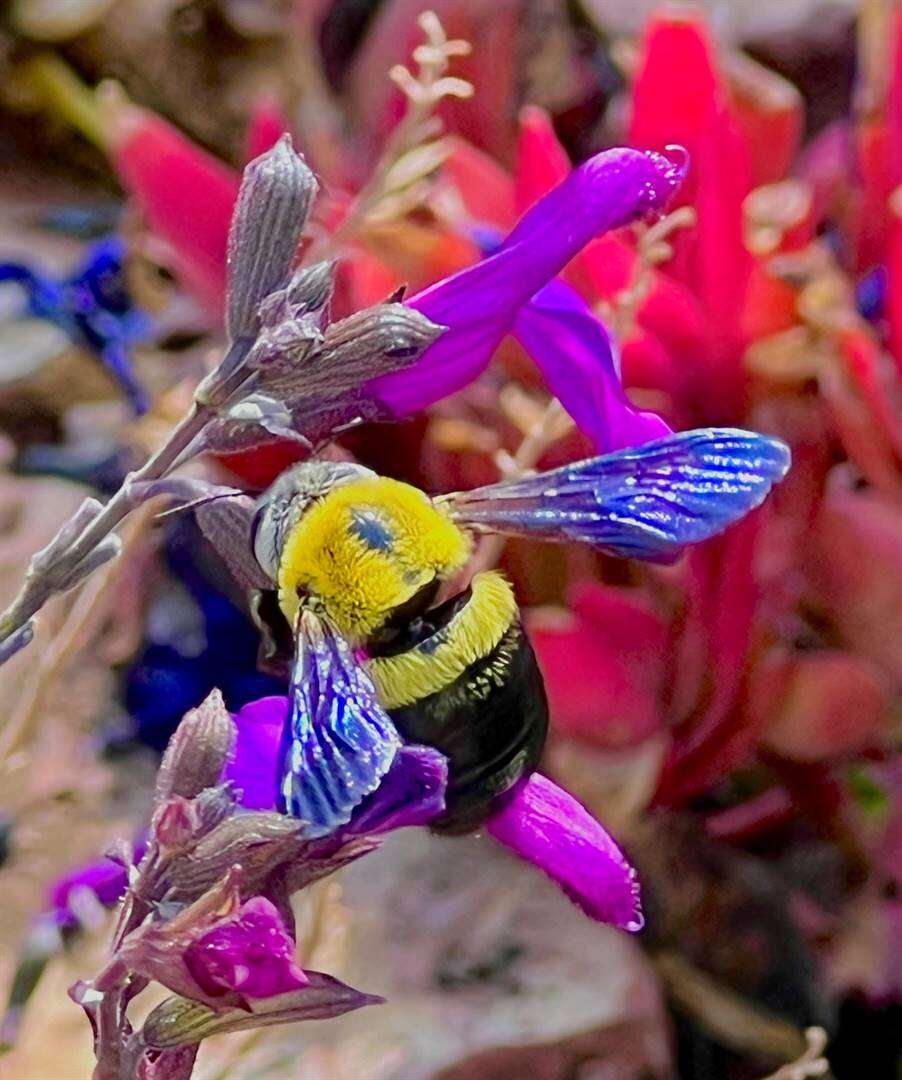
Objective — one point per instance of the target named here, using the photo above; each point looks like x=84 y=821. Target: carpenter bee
x=361 y=576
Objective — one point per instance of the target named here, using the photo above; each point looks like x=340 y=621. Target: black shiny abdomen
x=491 y=724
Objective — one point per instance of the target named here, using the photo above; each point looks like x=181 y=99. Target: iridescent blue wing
x=643 y=503
x=338 y=741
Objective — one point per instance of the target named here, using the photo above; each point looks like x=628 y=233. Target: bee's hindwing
x=339 y=742
x=225 y=516
x=642 y=503
x=226 y=522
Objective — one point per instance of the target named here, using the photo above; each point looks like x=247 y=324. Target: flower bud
x=371 y=342
x=198 y=751
x=258 y=841
x=272 y=207
x=175 y=824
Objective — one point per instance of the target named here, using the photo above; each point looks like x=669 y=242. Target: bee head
x=355 y=547
x=283 y=504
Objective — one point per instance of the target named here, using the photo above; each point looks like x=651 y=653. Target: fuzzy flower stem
x=74 y=635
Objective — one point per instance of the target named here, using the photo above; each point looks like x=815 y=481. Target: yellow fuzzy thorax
x=363 y=550
x=471 y=635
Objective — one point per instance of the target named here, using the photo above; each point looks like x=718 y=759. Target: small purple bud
x=249 y=953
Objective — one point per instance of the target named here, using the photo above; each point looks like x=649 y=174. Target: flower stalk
x=205 y=914
x=275 y=198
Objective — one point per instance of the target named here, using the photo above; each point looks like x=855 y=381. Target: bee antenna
x=203 y=500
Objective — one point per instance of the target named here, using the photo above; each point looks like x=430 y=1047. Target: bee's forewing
x=643 y=503
x=339 y=741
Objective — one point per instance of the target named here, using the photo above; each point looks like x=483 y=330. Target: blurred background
x=733 y=719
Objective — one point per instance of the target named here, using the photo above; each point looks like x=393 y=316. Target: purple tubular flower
x=538 y=821
x=479 y=305
x=411 y=793
x=581 y=367
x=546 y=826
x=254 y=768
x=106 y=879
x=249 y=953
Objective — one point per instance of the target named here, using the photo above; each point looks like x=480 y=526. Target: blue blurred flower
x=94 y=308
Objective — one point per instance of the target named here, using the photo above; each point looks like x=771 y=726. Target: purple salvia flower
x=479 y=305
x=539 y=821
x=546 y=826
x=106 y=879
x=411 y=793
x=581 y=366
x=218 y=950
x=254 y=768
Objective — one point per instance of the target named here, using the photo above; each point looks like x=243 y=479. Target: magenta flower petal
x=254 y=768
x=580 y=365
x=549 y=828
x=412 y=793
x=249 y=953
x=479 y=304
x=106 y=879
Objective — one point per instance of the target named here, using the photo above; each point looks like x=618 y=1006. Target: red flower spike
x=716 y=737
x=680 y=96
x=486 y=189
x=878 y=384
x=260 y=466
x=593 y=695
x=609 y=636
x=826 y=165
x=852 y=571
x=770 y=305
x=833 y=704
x=894 y=278
x=185 y=194
x=861 y=407
x=770 y=113
x=879 y=153
x=647 y=365
x=419 y=254
x=363 y=280
x=542 y=162
x=875 y=185
x=669 y=311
